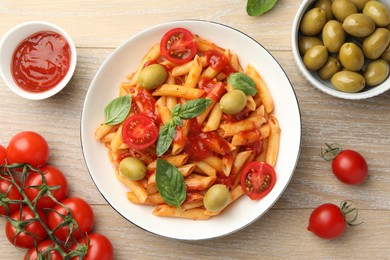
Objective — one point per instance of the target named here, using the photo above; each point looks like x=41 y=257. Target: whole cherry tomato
x=347 y=165
x=82 y=214
x=28 y=147
x=44 y=250
x=8 y=191
x=3 y=154
x=56 y=183
x=99 y=247
x=23 y=228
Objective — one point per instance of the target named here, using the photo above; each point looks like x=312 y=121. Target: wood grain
x=98 y=27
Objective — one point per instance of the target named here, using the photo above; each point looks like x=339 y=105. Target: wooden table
x=98 y=27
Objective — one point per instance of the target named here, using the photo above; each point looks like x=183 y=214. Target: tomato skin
x=257 y=179
x=23 y=239
x=82 y=214
x=350 y=167
x=100 y=247
x=28 y=147
x=178 y=46
x=32 y=253
x=53 y=177
x=139 y=132
x=327 y=221
x=13 y=194
x=3 y=154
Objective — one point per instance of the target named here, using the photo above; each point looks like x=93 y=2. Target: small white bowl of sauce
x=37 y=59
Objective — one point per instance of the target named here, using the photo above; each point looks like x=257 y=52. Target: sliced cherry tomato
x=82 y=214
x=8 y=192
x=139 y=132
x=44 y=250
x=178 y=46
x=28 y=147
x=257 y=179
x=23 y=230
x=56 y=182
x=3 y=154
x=99 y=247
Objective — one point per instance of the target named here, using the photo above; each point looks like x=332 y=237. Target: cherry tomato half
x=44 y=250
x=139 y=132
x=56 y=182
x=32 y=229
x=350 y=167
x=178 y=46
x=8 y=192
x=257 y=179
x=28 y=147
x=99 y=247
x=81 y=212
x=327 y=221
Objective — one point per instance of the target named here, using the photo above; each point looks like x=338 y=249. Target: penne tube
x=214 y=119
x=215 y=162
x=102 y=131
x=273 y=141
x=194 y=73
x=134 y=186
x=152 y=199
x=168 y=211
x=205 y=168
x=204 y=45
x=153 y=54
x=178 y=91
x=199 y=182
x=251 y=123
x=262 y=88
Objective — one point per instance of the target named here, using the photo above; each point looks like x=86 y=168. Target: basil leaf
x=258 y=7
x=165 y=137
x=170 y=183
x=243 y=82
x=117 y=110
x=193 y=108
x=175 y=110
x=176 y=120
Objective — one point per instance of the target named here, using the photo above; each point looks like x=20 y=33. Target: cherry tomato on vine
x=100 y=247
x=28 y=147
x=139 y=132
x=348 y=166
x=257 y=180
x=178 y=46
x=3 y=154
x=82 y=214
x=44 y=250
x=23 y=229
x=8 y=191
x=56 y=183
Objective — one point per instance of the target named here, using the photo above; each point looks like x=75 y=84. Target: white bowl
x=313 y=78
x=104 y=87
x=13 y=38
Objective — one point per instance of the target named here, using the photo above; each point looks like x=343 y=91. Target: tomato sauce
x=41 y=61
x=219 y=62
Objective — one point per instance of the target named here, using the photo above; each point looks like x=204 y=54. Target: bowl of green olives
x=342 y=47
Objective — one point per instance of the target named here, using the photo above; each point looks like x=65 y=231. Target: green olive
x=348 y=81
x=313 y=21
x=360 y=3
x=152 y=76
x=216 y=198
x=359 y=25
x=315 y=57
x=233 y=102
x=325 y=5
x=132 y=168
x=386 y=54
x=306 y=42
x=376 y=72
x=331 y=66
x=333 y=36
x=375 y=44
x=351 y=56
x=342 y=8
x=378 y=12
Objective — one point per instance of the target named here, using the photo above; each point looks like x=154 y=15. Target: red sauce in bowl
x=41 y=61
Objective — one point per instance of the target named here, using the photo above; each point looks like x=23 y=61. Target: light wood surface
x=98 y=27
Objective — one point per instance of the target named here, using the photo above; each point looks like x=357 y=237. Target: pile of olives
x=347 y=42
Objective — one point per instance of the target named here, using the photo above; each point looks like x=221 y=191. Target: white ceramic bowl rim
x=315 y=80
x=12 y=39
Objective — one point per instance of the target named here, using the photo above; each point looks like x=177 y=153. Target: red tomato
x=81 y=212
x=28 y=147
x=178 y=46
x=327 y=221
x=56 y=182
x=8 y=193
x=3 y=155
x=99 y=248
x=139 y=132
x=28 y=230
x=350 y=167
x=44 y=250
x=257 y=179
